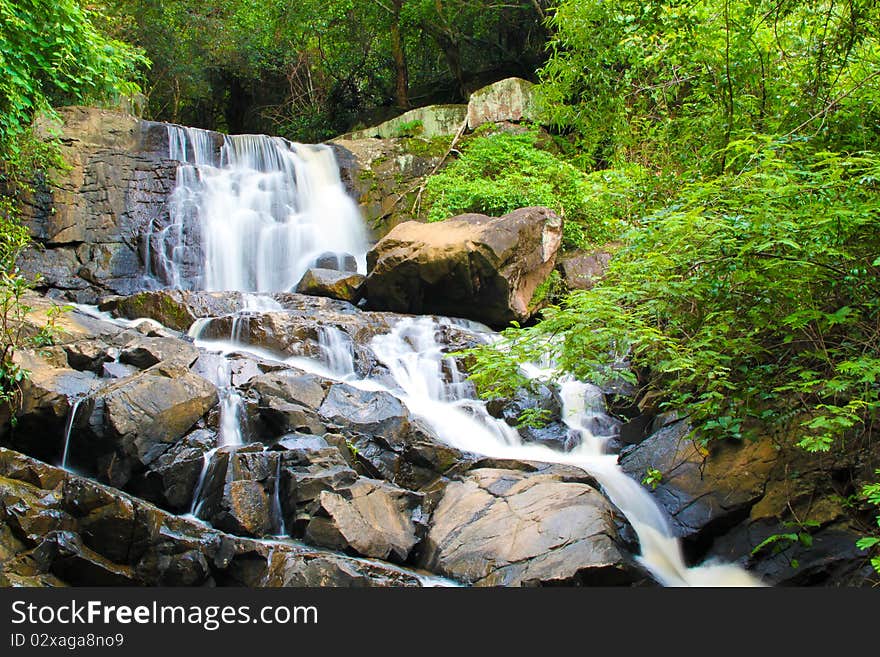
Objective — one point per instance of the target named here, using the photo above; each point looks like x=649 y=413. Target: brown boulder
x=345 y=286
x=472 y=266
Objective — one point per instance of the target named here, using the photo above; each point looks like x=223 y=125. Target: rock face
x=345 y=286
x=89 y=227
x=472 y=266
x=131 y=423
x=725 y=501
x=508 y=528
x=428 y=122
x=371 y=517
x=385 y=175
x=511 y=100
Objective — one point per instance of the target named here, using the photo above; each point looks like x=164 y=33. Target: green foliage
x=751 y=301
x=781 y=543
x=499 y=173
x=675 y=82
x=50 y=54
x=871 y=492
x=653 y=478
x=533 y=417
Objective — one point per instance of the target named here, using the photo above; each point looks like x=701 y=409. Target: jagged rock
x=472 y=266
x=341 y=285
x=102 y=536
x=170 y=481
x=509 y=528
x=287 y=402
x=385 y=175
x=176 y=309
x=370 y=413
x=511 y=99
x=370 y=517
x=257 y=564
x=48 y=397
x=133 y=421
x=239 y=489
x=145 y=352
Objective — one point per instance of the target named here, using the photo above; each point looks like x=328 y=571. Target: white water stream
x=255 y=215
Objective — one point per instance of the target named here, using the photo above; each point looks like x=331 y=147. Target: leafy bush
x=499 y=173
x=751 y=302
x=50 y=54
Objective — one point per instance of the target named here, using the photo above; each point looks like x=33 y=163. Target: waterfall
x=252 y=213
x=254 y=216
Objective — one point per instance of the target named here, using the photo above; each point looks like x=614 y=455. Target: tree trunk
x=398 y=53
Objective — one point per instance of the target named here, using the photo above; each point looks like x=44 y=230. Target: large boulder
x=511 y=99
x=370 y=517
x=345 y=286
x=766 y=504
x=510 y=528
x=699 y=490
x=428 y=122
x=582 y=270
x=473 y=266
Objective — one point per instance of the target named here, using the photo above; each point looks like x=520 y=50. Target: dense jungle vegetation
x=727 y=148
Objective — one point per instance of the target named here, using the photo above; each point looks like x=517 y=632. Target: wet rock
x=413 y=458
x=374 y=413
x=260 y=565
x=341 y=285
x=49 y=395
x=472 y=266
x=370 y=517
x=343 y=262
x=133 y=421
x=88 y=224
x=239 y=490
x=89 y=355
x=176 y=309
x=170 y=481
x=104 y=537
x=287 y=402
x=509 y=528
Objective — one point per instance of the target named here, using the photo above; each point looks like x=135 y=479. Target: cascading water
x=413 y=357
x=253 y=213
x=253 y=216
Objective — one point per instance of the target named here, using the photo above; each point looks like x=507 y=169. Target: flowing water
x=68 y=430
x=258 y=212
x=253 y=215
